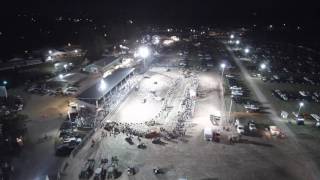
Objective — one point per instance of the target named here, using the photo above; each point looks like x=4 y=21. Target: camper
x=207 y=133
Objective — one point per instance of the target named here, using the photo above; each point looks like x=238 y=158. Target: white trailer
x=207 y=133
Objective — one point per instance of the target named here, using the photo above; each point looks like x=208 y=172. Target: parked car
x=240 y=129
x=70 y=91
x=252 y=126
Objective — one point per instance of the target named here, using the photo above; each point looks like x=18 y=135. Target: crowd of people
x=130 y=129
x=187 y=107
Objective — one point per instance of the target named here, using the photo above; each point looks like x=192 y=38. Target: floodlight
x=144 y=52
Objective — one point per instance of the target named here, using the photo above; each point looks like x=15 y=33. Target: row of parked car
x=239 y=94
x=105 y=169
x=307 y=80
x=300 y=95
x=236 y=87
x=69 y=134
x=241 y=129
x=42 y=90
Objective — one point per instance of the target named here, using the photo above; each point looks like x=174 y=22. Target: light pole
x=230 y=108
x=301 y=104
x=222 y=66
x=263 y=66
x=5 y=88
x=246 y=50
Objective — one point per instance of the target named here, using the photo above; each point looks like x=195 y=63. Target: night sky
x=19 y=33
x=181 y=11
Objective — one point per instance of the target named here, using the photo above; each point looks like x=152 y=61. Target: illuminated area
x=168 y=42
x=246 y=50
x=102 y=85
x=144 y=52
x=175 y=38
x=154 y=90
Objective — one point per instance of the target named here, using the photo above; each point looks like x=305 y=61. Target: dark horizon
x=167 y=12
x=190 y=13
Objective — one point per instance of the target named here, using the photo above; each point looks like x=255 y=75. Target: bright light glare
x=60 y=76
x=246 y=50
x=50 y=52
x=223 y=65
x=263 y=66
x=76 y=51
x=174 y=38
x=144 y=52
x=155 y=40
x=231 y=36
x=102 y=85
x=237 y=42
x=135 y=54
x=65 y=66
x=49 y=58
x=167 y=42
x=301 y=104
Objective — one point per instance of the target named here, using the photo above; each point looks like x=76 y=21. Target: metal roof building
x=94 y=93
x=102 y=65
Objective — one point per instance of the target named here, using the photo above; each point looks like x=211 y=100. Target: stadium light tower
x=144 y=52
